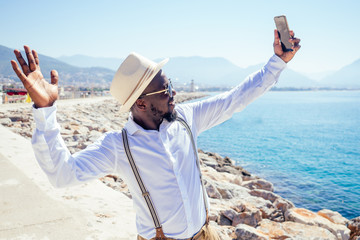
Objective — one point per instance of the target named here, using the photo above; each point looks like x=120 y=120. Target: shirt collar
x=132 y=127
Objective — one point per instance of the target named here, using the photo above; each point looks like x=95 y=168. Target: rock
x=64 y=131
x=225 y=192
x=332 y=216
x=5 y=121
x=237 y=180
x=250 y=216
x=267 y=195
x=228 y=169
x=304 y=216
x=293 y=230
x=81 y=130
x=283 y=205
x=19 y=118
x=259 y=184
x=208 y=161
x=279 y=203
x=222 y=220
x=71 y=144
x=94 y=135
x=229 y=214
x=224 y=177
x=354 y=226
x=211 y=190
x=245 y=232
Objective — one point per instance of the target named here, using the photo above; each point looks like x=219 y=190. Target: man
x=160 y=163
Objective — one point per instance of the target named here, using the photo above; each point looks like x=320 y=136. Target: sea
x=307 y=143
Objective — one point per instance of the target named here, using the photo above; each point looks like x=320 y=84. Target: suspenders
x=146 y=194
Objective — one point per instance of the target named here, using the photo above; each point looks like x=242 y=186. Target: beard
x=169 y=116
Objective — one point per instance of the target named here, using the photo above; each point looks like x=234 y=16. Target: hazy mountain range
x=82 y=70
x=68 y=74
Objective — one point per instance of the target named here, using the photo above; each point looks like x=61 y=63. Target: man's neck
x=146 y=123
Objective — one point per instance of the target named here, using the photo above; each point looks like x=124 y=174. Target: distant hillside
x=68 y=74
x=86 y=61
x=221 y=72
x=347 y=77
x=214 y=71
x=204 y=71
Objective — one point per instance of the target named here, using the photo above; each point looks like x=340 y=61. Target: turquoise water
x=306 y=143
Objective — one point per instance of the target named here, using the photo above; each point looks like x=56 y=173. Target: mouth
x=172 y=102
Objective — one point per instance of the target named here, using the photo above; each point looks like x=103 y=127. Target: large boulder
x=246 y=232
x=259 y=184
x=333 y=216
x=304 y=216
x=293 y=230
x=354 y=226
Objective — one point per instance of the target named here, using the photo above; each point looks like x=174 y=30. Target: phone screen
x=283 y=30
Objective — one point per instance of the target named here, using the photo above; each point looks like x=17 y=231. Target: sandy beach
x=243 y=205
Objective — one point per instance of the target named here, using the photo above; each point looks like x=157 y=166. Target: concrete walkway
x=30 y=208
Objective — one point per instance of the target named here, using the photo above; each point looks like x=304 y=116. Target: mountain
x=318 y=76
x=347 y=77
x=221 y=72
x=86 y=61
x=68 y=74
x=205 y=71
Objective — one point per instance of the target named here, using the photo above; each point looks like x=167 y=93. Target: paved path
x=30 y=208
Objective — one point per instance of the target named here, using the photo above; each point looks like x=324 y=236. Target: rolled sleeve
x=45 y=118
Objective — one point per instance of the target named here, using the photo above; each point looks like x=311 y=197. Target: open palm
x=43 y=93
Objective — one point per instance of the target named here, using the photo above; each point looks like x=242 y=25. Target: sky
x=240 y=31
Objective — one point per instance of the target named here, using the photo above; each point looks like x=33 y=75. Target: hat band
x=148 y=72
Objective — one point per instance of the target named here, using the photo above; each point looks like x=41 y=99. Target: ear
x=140 y=104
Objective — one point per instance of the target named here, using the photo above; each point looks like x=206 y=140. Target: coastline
x=242 y=204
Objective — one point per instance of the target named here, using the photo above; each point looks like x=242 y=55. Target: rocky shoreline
x=243 y=206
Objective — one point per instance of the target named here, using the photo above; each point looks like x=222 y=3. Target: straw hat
x=132 y=77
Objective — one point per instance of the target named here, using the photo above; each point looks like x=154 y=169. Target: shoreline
x=241 y=203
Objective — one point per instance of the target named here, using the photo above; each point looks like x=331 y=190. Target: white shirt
x=165 y=158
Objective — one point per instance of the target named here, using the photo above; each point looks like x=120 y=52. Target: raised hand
x=41 y=92
x=286 y=56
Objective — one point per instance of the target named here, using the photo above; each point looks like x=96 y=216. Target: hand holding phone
x=284 y=32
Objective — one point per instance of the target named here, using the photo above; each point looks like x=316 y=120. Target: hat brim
x=127 y=105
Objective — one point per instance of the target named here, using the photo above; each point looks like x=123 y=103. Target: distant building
x=192 y=86
x=14 y=95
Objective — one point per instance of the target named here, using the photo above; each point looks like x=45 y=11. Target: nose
x=173 y=92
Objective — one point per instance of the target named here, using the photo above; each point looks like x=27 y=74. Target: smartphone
x=284 y=33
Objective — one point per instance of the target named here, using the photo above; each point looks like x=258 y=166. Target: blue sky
x=240 y=31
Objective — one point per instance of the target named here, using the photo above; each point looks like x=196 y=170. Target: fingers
x=30 y=57
x=18 y=72
x=36 y=57
x=54 y=77
x=295 y=42
x=276 y=37
x=22 y=62
x=292 y=34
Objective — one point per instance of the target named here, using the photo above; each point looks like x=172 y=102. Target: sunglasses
x=168 y=90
